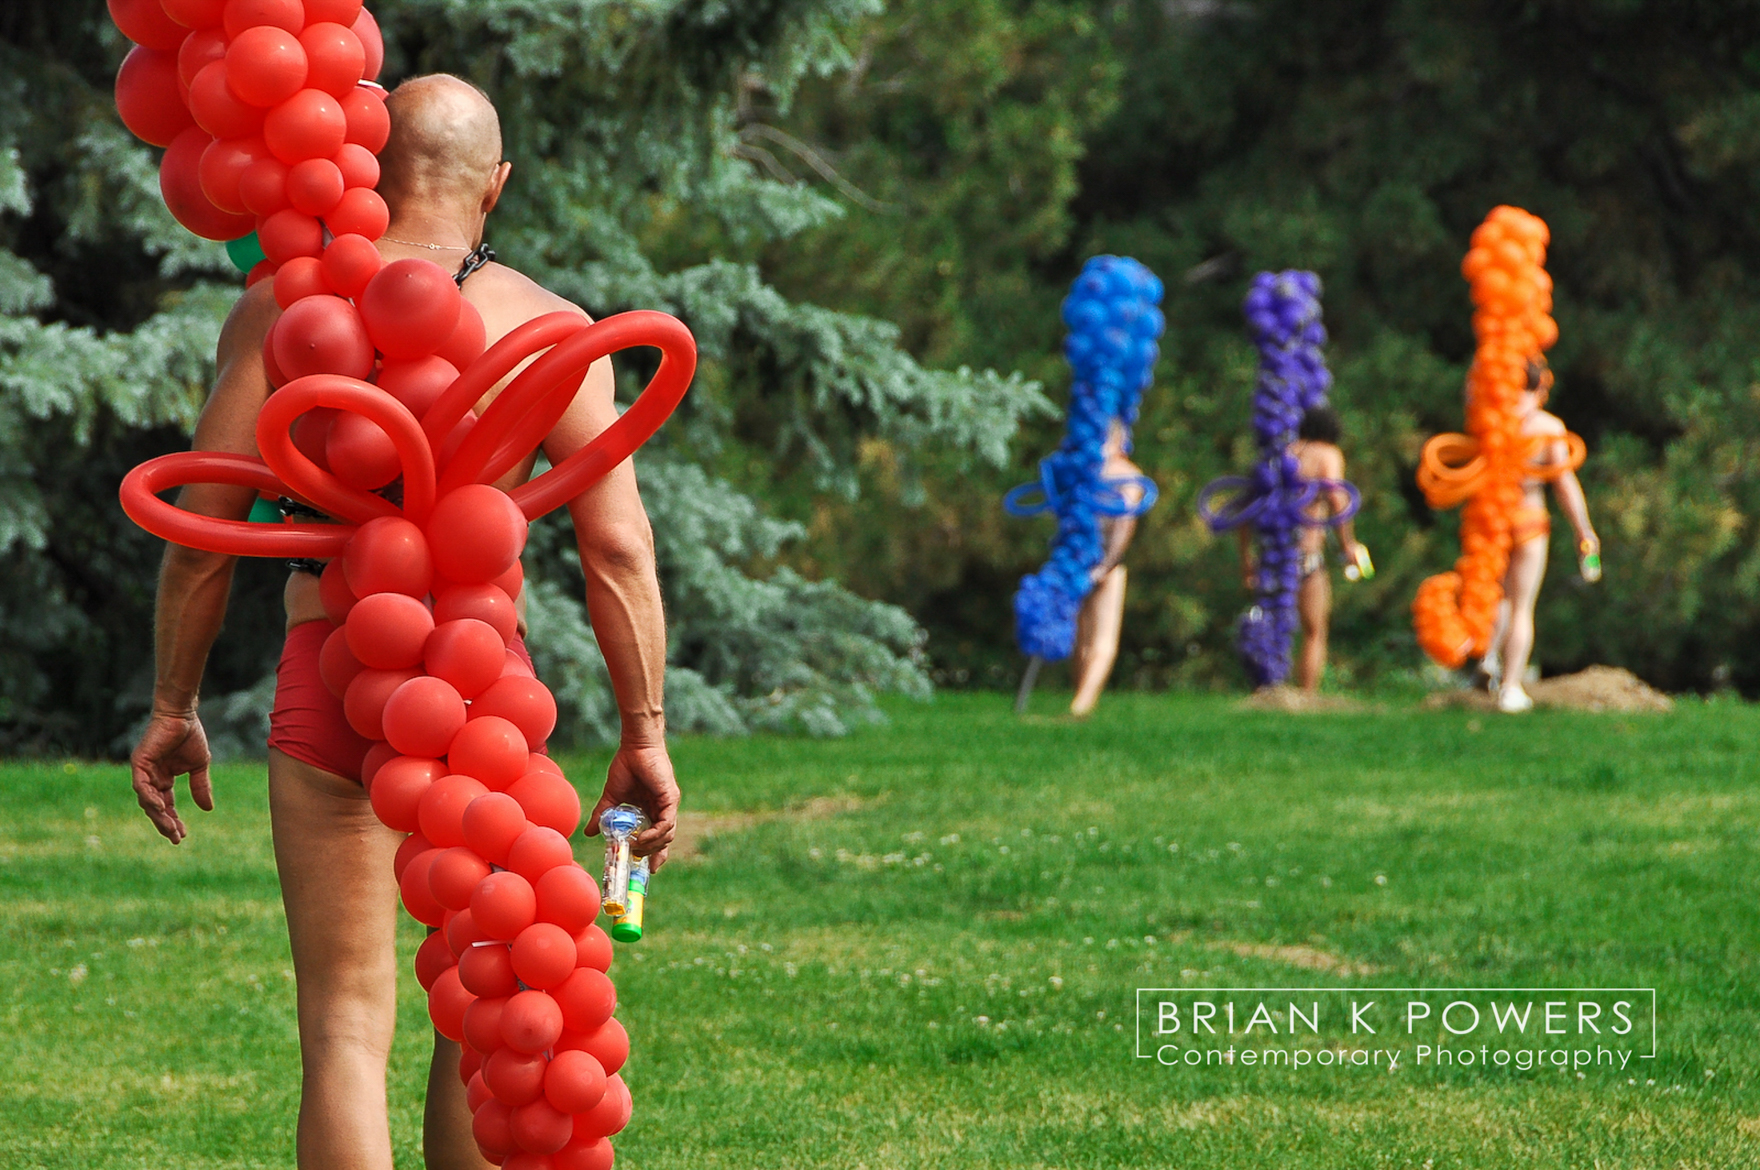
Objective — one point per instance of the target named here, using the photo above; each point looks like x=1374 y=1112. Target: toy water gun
x=626 y=877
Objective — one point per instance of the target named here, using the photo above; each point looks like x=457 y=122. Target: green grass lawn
x=918 y=946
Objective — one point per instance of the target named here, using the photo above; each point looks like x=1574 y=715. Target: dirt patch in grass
x=1597 y=689
x=694 y=827
x=1305 y=957
x=1299 y=702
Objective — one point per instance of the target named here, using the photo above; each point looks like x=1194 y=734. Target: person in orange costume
x=1496 y=468
x=1506 y=662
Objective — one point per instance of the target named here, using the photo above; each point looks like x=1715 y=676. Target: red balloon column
x=378 y=367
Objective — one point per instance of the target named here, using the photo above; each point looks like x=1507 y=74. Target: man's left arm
x=623 y=602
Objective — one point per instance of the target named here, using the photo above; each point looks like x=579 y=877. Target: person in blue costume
x=1075 y=602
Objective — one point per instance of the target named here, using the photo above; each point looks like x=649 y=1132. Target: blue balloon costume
x=1114 y=323
x=1283 y=314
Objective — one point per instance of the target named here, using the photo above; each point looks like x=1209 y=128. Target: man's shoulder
x=1543 y=422
x=509 y=289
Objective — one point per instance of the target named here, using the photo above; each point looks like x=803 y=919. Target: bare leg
x=335 y=858
x=1492 y=664
x=335 y=861
x=1314 y=604
x=1097 y=631
x=1527 y=567
x=446 y=1126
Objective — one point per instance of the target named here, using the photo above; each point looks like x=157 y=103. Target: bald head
x=445 y=145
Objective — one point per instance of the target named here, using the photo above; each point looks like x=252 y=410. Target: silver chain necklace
x=430 y=247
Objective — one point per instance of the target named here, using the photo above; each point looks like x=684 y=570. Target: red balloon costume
x=268 y=127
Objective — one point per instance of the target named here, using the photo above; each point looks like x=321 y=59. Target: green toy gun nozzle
x=1360 y=567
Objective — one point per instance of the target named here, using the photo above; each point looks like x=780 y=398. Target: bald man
x=443 y=175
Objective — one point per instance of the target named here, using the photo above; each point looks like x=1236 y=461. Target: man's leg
x=1314 y=604
x=447 y=1143
x=1527 y=567
x=1103 y=616
x=335 y=859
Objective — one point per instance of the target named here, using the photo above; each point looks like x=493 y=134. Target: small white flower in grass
x=981 y=1021
x=815 y=853
x=137 y=942
x=1056 y=981
x=1381 y=879
x=78 y=975
x=1582 y=1076
x=1325 y=882
x=93 y=841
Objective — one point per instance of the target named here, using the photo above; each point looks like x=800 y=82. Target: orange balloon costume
x=1454 y=613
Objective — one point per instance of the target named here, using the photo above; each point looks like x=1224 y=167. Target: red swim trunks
x=308 y=723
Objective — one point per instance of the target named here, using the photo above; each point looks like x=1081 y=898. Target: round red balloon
x=360 y=212
x=477 y=533
x=358 y=166
x=418 y=383
x=543 y=956
x=417 y=898
x=525 y=702
x=145 y=23
x=485 y=603
x=349 y=262
x=315 y=186
x=150 y=98
x=367 y=29
x=584 y=1154
x=201 y=14
x=364 y=702
x=398 y=789
x=492 y=823
x=310 y=124
x=441 y=811
x=549 y=801
x=447 y=1003
x=462 y=933
x=388 y=554
x=538 y=851
x=433 y=959
x=265 y=66
x=289 y=233
x=489 y=748
x=217 y=109
x=468 y=337
x=454 y=878
x=333 y=591
x=476 y=1090
x=199 y=49
x=299 y=278
x=337 y=664
x=592 y=948
x=260 y=271
x=413 y=847
x=609 y=1116
x=488 y=970
x=222 y=168
x=335 y=59
x=343 y=12
x=587 y=1000
x=531 y=1022
x=609 y=1045
x=492 y=1127
x=263 y=187
x=361 y=454
x=322 y=335
x=467 y=653
x=503 y=905
x=482 y=1024
x=180 y=182
x=540 y=1128
x=377 y=757
x=240 y=15
x=574 y=1082
x=409 y=307
x=568 y=897
x=515 y=1078
x=368 y=123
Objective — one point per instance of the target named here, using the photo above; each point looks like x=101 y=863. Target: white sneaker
x=1513 y=700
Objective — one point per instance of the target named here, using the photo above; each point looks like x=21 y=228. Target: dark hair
x=1320 y=424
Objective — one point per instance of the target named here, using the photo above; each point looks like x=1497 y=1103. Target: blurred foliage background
x=869 y=214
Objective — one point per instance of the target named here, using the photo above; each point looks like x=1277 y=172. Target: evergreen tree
x=632 y=189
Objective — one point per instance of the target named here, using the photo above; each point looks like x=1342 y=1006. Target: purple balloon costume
x=1283 y=314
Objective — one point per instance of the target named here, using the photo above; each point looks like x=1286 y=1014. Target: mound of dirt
x=1298 y=702
x=1597 y=689
x=1600 y=688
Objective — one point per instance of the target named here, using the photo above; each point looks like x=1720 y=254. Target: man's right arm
x=193 y=585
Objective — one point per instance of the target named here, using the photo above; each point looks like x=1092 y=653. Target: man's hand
x=642 y=776
x=172 y=745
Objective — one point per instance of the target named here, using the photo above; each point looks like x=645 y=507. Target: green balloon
x=246 y=252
